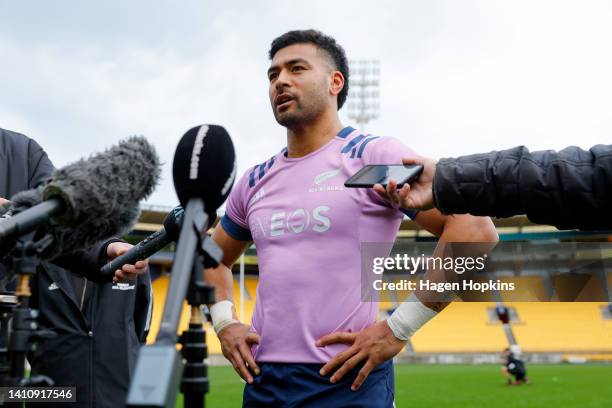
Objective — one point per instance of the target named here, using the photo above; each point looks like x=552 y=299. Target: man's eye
x=298 y=68
x=271 y=77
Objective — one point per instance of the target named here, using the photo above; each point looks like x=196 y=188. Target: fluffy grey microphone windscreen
x=106 y=182
x=100 y=194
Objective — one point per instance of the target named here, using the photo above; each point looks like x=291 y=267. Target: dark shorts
x=284 y=385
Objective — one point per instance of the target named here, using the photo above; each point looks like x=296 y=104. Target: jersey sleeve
x=388 y=150
x=234 y=222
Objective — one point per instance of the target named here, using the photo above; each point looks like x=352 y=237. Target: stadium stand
x=465 y=327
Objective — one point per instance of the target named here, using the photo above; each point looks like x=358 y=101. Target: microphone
x=88 y=200
x=204 y=170
x=150 y=245
x=204 y=167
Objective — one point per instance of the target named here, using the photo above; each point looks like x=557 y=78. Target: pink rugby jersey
x=307 y=228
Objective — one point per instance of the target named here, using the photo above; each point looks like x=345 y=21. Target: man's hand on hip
x=374 y=345
x=236 y=341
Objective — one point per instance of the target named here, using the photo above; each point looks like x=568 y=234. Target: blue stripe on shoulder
x=345 y=132
x=263 y=167
x=252 y=177
x=352 y=144
x=410 y=213
x=363 y=145
x=235 y=230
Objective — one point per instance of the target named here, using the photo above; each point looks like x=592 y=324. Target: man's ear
x=337 y=83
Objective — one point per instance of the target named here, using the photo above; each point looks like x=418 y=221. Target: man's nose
x=282 y=81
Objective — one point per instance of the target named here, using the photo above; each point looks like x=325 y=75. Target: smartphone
x=382 y=173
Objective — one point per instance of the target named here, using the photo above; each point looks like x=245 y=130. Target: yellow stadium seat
x=464 y=326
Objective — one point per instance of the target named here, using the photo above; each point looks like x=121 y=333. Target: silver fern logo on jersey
x=319 y=180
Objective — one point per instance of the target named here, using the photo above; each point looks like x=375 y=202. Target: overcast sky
x=457 y=77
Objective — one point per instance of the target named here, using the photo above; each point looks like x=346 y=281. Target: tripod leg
x=195 y=375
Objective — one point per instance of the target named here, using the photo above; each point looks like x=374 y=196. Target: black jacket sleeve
x=23 y=164
x=569 y=189
x=88 y=262
x=39 y=165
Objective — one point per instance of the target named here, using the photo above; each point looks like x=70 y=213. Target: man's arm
x=39 y=165
x=221 y=276
x=571 y=188
x=88 y=262
x=384 y=339
x=235 y=337
x=453 y=228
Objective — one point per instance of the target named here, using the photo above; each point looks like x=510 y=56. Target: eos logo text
x=299 y=220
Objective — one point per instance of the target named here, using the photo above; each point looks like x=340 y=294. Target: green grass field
x=439 y=386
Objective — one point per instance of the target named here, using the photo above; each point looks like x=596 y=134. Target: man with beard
x=313 y=341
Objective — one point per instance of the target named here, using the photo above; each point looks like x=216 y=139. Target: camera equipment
x=83 y=202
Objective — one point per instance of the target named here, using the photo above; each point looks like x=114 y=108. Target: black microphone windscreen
x=204 y=167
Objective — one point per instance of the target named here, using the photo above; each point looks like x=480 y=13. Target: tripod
x=195 y=374
x=23 y=335
x=158 y=369
x=8 y=302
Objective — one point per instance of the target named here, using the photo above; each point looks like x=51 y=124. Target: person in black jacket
x=23 y=164
x=570 y=189
x=514 y=369
x=99 y=326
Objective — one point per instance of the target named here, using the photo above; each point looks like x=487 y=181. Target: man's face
x=300 y=76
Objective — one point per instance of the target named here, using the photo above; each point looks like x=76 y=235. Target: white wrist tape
x=221 y=314
x=409 y=317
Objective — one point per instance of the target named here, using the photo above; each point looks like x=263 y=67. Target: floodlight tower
x=363 y=100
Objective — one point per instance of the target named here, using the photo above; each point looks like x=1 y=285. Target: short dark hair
x=322 y=41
